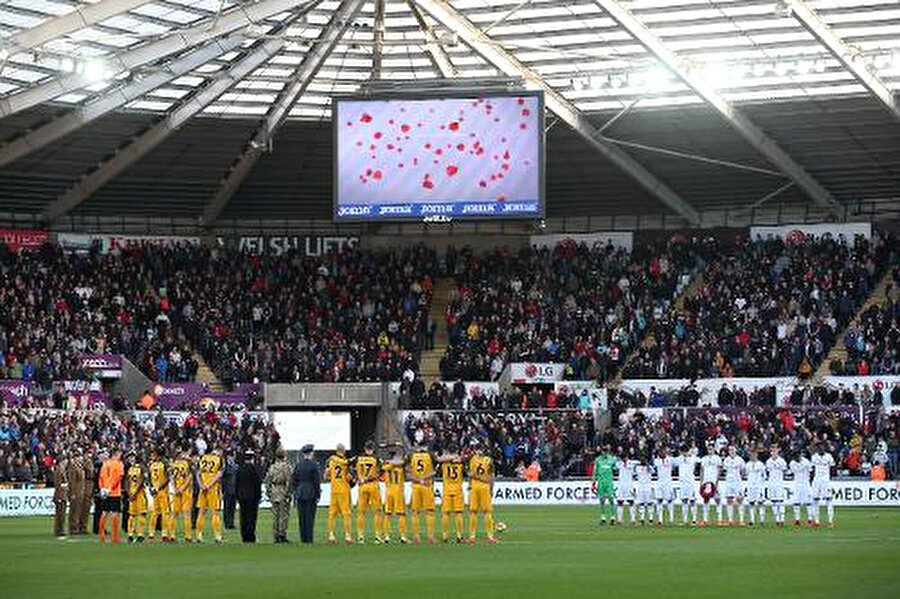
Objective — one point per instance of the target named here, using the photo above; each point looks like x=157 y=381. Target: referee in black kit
x=307 y=485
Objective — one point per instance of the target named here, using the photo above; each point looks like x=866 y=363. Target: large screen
x=462 y=157
x=325 y=430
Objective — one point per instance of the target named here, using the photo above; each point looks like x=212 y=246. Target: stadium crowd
x=561 y=442
x=585 y=306
x=55 y=306
x=456 y=396
x=771 y=308
x=348 y=316
x=31 y=440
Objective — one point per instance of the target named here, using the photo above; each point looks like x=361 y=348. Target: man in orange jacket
x=111 y=474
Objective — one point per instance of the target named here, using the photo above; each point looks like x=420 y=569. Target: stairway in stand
x=649 y=340
x=839 y=350
x=430 y=362
x=206 y=376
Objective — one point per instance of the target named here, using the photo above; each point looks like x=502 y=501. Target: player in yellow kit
x=183 y=496
x=337 y=472
x=162 y=503
x=452 y=499
x=394 y=500
x=481 y=482
x=210 y=498
x=421 y=473
x=135 y=479
x=369 y=499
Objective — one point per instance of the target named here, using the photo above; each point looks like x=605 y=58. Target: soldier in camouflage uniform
x=278 y=488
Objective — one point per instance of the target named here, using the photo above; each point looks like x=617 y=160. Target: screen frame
x=461 y=94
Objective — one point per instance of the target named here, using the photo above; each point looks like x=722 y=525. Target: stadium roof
x=663 y=106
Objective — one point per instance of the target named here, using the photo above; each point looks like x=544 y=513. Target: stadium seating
x=353 y=316
x=585 y=306
x=350 y=316
x=55 y=306
x=771 y=308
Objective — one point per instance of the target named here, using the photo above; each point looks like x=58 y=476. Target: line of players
x=171 y=486
x=764 y=481
x=366 y=471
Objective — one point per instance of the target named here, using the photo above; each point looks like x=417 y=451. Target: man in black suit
x=249 y=493
x=229 y=489
x=307 y=485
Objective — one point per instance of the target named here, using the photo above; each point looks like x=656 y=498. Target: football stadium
x=495 y=298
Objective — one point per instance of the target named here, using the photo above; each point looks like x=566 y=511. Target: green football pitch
x=546 y=552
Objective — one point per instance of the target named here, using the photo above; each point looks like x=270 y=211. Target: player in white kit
x=800 y=492
x=625 y=488
x=709 y=481
x=665 y=493
x=822 y=463
x=644 y=491
x=756 y=483
x=687 y=487
x=733 y=464
x=776 y=467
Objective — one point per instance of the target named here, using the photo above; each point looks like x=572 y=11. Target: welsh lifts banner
x=19 y=240
x=309 y=245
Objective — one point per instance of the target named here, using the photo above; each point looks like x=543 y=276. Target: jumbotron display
x=461 y=157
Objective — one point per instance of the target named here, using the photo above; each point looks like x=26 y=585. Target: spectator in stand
x=583 y=306
x=772 y=308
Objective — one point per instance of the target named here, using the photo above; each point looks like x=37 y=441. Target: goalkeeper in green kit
x=603 y=484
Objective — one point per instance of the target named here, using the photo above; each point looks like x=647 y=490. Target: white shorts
x=800 y=495
x=755 y=494
x=688 y=492
x=776 y=491
x=624 y=492
x=644 y=495
x=821 y=490
x=734 y=489
x=665 y=492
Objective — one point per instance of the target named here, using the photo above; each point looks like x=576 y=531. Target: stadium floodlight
x=717 y=75
x=845 y=54
x=657 y=79
x=95 y=70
